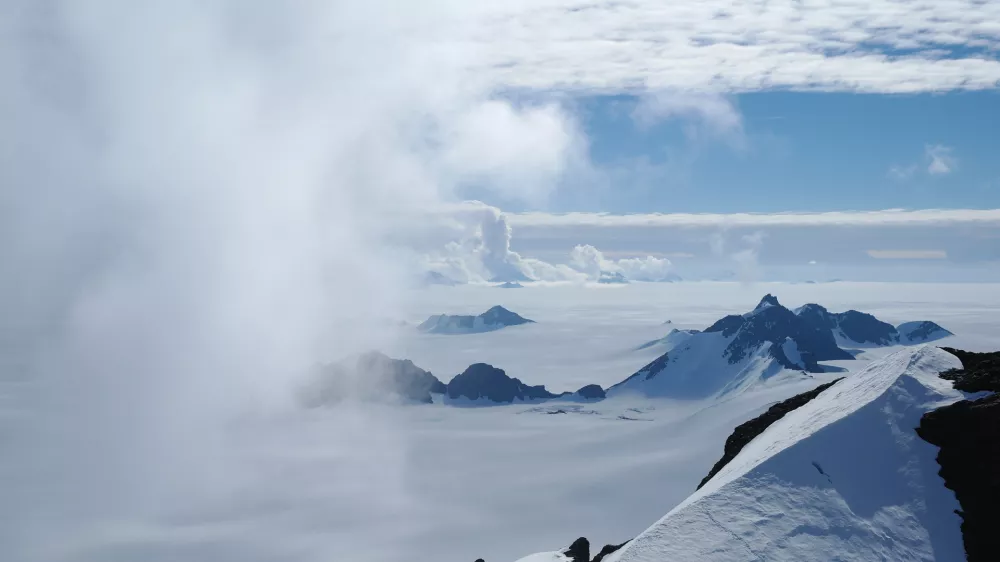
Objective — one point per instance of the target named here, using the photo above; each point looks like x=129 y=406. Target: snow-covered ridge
x=843 y=477
x=493 y=319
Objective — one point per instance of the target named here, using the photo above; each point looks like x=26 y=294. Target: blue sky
x=792 y=151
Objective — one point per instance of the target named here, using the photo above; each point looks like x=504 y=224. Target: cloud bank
x=747 y=247
x=888 y=46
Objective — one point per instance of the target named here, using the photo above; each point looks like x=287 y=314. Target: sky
x=779 y=151
x=195 y=194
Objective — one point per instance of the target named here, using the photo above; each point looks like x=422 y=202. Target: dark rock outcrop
x=607 y=550
x=579 y=551
x=968 y=435
x=747 y=431
x=591 y=392
x=486 y=381
x=865 y=328
x=371 y=376
x=979 y=372
x=493 y=319
x=918 y=332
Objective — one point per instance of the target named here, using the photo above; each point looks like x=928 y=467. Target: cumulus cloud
x=480 y=252
x=591 y=261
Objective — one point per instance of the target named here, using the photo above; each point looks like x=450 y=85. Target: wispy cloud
x=937 y=160
x=902 y=173
x=908 y=254
x=857 y=218
x=940 y=159
x=712 y=112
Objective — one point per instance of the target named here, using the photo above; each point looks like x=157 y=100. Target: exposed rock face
x=488 y=382
x=865 y=329
x=607 y=550
x=499 y=315
x=919 y=332
x=747 y=431
x=371 y=376
x=980 y=371
x=579 y=551
x=591 y=392
x=968 y=434
x=493 y=319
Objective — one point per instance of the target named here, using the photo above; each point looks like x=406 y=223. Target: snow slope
x=696 y=368
x=843 y=478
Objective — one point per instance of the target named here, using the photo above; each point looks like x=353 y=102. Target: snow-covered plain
x=442 y=483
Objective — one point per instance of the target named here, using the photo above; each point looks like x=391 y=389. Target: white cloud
x=715 y=113
x=908 y=254
x=591 y=261
x=886 y=217
x=524 y=151
x=902 y=173
x=718 y=46
x=940 y=159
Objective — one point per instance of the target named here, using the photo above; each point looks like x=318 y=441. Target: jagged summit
x=767 y=301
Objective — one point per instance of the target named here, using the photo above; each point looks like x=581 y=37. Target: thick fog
x=193 y=199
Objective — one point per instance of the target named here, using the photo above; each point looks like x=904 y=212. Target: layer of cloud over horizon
x=479 y=245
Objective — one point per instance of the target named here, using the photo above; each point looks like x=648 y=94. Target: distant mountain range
x=735 y=353
x=493 y=319
x=375 y=377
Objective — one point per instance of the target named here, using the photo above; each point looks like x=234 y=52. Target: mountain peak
x=767 y=301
